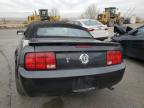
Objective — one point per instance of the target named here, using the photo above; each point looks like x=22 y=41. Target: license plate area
x=83 y=85
x=79 y=60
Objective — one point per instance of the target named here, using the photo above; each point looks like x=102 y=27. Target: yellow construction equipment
x=42 y=16
x=110 y=17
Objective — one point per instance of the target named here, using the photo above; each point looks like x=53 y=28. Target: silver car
x=96 y=28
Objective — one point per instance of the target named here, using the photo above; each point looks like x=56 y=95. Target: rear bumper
x=60 y=85
x=69 y=73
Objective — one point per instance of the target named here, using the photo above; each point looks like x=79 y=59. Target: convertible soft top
x=30 y=31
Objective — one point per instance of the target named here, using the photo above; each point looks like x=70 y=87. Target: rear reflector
x=114 y=57
x=40 y=61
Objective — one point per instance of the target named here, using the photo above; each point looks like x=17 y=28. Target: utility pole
x=4 y=20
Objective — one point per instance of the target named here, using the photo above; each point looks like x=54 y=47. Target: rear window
x=61 y=31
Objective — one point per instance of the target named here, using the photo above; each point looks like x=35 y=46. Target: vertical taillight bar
x=29 y=62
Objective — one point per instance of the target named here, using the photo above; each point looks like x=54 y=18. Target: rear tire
x=19 y=89
x=18 y=86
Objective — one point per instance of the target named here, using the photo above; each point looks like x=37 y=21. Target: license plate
x=83 y=85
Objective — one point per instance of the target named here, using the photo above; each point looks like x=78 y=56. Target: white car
x=96 y=28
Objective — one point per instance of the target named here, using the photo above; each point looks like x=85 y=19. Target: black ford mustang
x=56 y=58
x=132 y=41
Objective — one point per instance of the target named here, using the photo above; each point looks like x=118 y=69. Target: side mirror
x=20 y=32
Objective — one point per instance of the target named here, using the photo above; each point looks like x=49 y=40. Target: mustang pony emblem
x=84 y=58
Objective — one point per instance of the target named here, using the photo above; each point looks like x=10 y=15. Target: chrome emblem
x=84 y=58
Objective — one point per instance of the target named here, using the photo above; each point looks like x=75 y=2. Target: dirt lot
x=129 y=93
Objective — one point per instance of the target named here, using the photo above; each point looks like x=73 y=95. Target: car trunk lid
x=75 y=53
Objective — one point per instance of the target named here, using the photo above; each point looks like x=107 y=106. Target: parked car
x=96 y=28
x=56 y=58
x=132 y=40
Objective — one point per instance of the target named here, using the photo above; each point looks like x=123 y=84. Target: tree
x=91 y=12
x=54 y=12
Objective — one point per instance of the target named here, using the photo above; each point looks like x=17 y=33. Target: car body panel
x=95 y=73
x=71 y=72
x=60 y=86
x=132 y=44
x=100 y=31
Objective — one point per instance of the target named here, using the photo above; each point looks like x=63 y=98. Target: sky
x=67 y=8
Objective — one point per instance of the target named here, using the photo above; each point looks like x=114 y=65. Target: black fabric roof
x=32 y=28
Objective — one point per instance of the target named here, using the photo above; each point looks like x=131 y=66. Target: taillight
x=114 y=57
x=30 y=61
x=90 y=29
x=40 y=61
